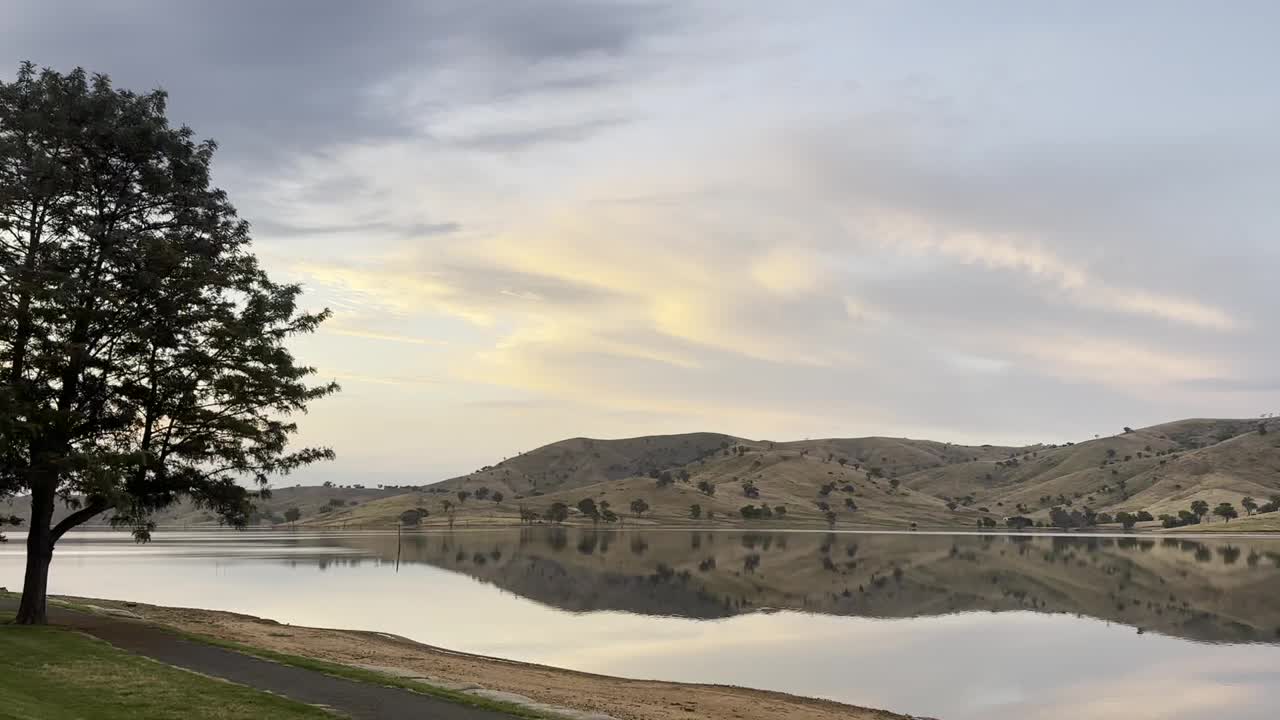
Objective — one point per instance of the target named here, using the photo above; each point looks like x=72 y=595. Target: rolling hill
x=874 y=482
x=865 y=482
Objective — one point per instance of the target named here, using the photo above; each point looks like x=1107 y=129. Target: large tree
x=142 y=348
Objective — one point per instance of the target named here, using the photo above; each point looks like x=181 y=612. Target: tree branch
x=77 y=518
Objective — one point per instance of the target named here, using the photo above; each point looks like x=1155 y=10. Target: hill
x=873 y=482
x=309 y=499
x=861 y=482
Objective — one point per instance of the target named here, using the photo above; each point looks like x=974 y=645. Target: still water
x=952 y=626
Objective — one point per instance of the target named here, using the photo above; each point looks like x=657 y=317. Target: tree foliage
x=557 y=513
x=142 y=348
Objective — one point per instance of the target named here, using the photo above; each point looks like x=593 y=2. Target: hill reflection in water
x=1210 y=590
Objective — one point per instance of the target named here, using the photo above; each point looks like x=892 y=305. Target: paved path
x=348 y=697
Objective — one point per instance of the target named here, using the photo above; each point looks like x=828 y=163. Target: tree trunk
x=35 y=585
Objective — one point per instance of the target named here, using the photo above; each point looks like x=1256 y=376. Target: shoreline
x=432 y=529
x=399 y=657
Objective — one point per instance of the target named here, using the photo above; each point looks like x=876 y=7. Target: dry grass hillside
x=310 y=500
x=863 y=482
x=874 y=482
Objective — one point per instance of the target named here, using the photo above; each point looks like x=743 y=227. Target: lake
x=948 y=625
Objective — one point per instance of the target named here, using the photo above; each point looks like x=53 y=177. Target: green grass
x=47 y=673
x=370 y=676
x=328 y=668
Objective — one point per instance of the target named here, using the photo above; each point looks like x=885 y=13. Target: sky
x=970 y=221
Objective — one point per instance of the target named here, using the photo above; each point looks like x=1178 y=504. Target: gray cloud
x=405 y=231
x=268 y=78
x=516 y=140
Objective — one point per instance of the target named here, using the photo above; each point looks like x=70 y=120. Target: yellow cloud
x=390 y=337
x=786 y=271
x=1015 y=253
x=1116 y=361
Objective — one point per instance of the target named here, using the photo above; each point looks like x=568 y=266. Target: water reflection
x=1189 y=588
x=963 y=627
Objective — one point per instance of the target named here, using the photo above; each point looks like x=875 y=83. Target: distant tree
x=894 y=483
x=1128 y=429
x=850 y=504
x=1017 y=522
x=1060 y=518
x=1105 y=519
x=750 y=490
x=683 y=475
x=329 y=484
x=337 y=502
x=665 y=478
x=1200 y=508
x=557 y=513
x=639 y=507
x=780 y=510
x=695 y=511
x=706 y=488
x=462 y=496
x=588 y=508
x=608 y=515
x=986 y=522
x=1226 y=511
x=1126 y=519
x=1249 y=504
x=10 y=520
x=1144 y=516
x=497 y=496
x=843 y=461
x=1186 y=517
x=482 y=493
x=292 y=515
x=411 y=518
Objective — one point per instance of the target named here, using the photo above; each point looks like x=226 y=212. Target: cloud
x=410 y=230
x=994 y=249
x=370 y=335
x=524 y=138
x=384 y=380
x=658 y=215
x=301 y=75
x=1118 y=361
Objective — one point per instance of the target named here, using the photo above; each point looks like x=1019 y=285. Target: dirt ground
x=622 y=698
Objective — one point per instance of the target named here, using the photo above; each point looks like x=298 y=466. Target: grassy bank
x=47 y=673
x=375 y=658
